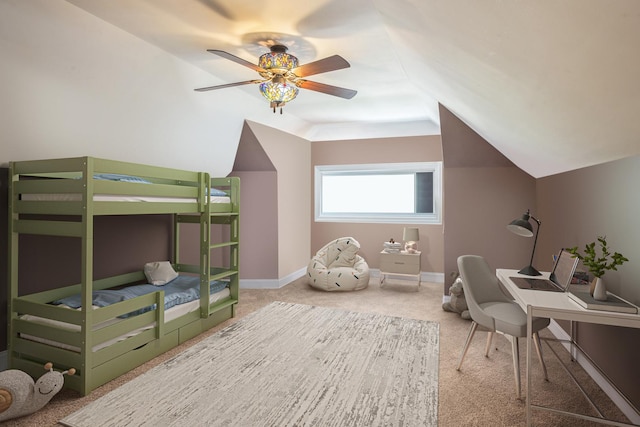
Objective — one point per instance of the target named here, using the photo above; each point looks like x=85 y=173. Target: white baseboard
x=431 y=277
x=4 y=362
x=604 y=383
x=272 y=283
x=425 y=276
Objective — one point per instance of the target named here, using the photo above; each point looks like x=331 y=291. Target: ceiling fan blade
x=218 y=8
x=237 y=60
x=328 y=89
x=204 y=89
x=331 y=63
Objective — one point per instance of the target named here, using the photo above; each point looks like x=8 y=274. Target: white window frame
x=378 y=169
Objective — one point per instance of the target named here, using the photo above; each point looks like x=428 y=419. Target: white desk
x=558 y=305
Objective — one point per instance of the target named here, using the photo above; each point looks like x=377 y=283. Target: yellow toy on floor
x=20 y=396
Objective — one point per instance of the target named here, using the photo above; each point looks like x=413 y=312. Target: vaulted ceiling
x=552 y=85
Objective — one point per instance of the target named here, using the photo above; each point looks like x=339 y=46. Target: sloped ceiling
x=552 y=85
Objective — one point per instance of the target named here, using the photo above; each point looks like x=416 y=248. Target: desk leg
x=574 y=350
x=529 y=341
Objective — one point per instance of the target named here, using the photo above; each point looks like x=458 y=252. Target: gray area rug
x=287 y=365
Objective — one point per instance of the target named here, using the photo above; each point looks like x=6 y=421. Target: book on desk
x=613 y=302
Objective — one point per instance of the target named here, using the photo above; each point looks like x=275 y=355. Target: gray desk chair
x=493 y=310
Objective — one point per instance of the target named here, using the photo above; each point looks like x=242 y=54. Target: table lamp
x=522 y=227
x=410 y=237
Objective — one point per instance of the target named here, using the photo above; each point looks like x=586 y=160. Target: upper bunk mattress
x=215 y=195
x=75 y=197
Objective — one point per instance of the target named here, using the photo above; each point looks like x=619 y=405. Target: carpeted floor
x=481 y=394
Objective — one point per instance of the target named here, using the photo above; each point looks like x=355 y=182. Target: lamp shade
x=410 y=234
x=278 y=92
x=521 y=226
x=277 y=59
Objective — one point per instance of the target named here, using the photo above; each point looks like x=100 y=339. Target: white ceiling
x=553 y=85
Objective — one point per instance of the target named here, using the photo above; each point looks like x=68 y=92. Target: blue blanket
x=180 y=290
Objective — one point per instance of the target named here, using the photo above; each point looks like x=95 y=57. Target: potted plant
x=598 y=264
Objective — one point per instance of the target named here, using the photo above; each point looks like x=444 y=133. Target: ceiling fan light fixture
x=278 y=92
x=282 y=76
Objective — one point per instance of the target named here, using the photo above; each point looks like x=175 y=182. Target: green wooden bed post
x=235 y=238
x=87 y=272
x=12 y=260
x=205 y=243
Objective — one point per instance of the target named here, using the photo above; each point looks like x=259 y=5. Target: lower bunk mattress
x=182 y=296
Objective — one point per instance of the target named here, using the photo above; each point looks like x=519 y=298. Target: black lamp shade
x=522 y=227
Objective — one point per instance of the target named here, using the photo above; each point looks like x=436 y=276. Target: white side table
x=399 y=264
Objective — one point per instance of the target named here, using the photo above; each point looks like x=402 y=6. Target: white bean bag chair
x=338 y=267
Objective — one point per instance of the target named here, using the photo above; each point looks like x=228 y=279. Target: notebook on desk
x=558 y=281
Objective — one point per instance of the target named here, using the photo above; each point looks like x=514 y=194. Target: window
x=380 y=193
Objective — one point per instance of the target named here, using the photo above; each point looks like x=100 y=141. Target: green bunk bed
x=61 y=197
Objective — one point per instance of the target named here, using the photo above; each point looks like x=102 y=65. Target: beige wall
x=291 y=157
x=258 y=225
x=372 y=236
x=483 y=192
x=479 y=204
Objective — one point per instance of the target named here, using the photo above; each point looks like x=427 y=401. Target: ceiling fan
x=282 y=76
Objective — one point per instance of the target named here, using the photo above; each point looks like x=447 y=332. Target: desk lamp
x=410 y=236
x=522 y=227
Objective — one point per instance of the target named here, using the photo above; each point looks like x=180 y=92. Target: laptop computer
x=560 y=277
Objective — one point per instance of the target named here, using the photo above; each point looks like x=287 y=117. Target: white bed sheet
x=75 y=197
x=170 y=314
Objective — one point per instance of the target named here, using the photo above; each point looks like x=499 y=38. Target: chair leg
x=536 y=341
x=488 y=347
x=515 y=350
x=472 y=331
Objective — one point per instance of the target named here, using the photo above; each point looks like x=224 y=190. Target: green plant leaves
x=598 y=264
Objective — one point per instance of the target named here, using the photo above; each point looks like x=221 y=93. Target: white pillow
x=159 y=272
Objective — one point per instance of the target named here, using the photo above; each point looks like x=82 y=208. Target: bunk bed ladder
x=232 y=219
x=207 y=219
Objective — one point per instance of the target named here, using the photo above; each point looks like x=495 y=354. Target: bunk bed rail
x=87 y=185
